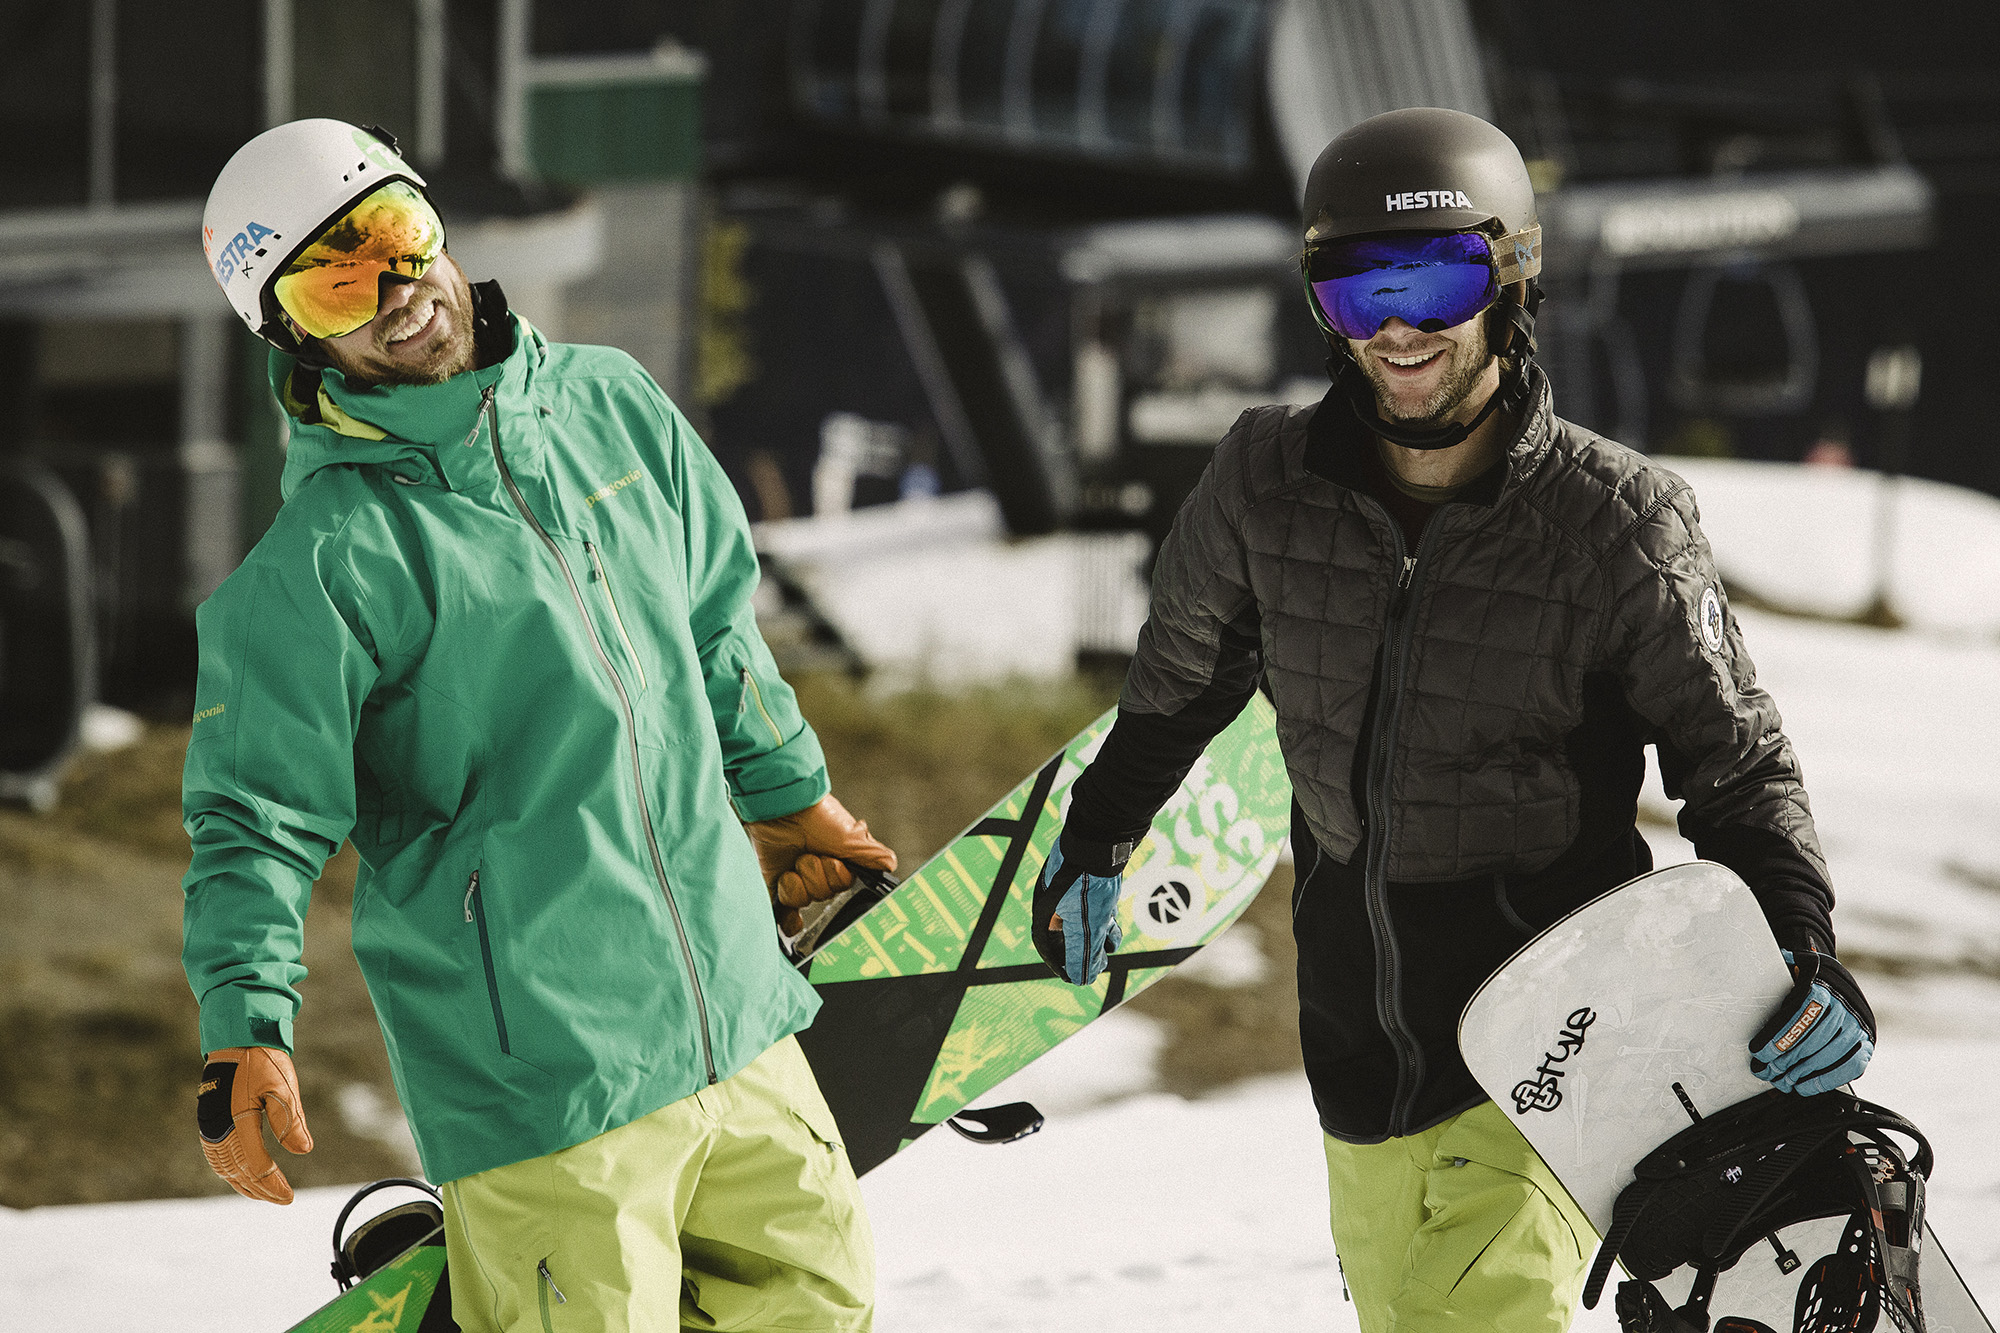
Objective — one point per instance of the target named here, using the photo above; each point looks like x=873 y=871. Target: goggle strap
x=1517 y=256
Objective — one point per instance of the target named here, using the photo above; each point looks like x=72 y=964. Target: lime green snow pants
x=1460 y=1227
x=734 y=1208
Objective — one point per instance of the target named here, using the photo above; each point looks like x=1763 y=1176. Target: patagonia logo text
x=1799 y=1029
x=207 y=713
x=1409 y=199
x=241 y=246
x=1544 y=1091
x=606 y=492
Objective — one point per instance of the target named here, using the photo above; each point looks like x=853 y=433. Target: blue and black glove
x=1821 y=1034
x=1076 y=907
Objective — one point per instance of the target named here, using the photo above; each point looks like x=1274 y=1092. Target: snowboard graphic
x=1599 y=1035
x=395 y=1298
x=936 y=993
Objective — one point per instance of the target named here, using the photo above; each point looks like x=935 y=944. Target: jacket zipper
x=475 y=913
x=750 y=691
x=1375 y=878
x=492 y=415
x=604 y=577
x=546 y=1285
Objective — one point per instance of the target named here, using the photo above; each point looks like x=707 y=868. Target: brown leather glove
x=804 y=856
x=240 y=1087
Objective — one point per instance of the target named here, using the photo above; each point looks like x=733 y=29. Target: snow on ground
x=1138 y=1211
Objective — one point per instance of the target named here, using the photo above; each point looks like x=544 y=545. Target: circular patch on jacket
x=1711 y=619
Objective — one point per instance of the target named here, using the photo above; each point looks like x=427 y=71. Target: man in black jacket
x=1471 y=617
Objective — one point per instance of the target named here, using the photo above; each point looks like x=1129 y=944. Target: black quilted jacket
x=1464 y=723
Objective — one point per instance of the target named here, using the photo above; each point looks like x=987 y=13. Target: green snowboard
x=395 y=1298
x=936 y=993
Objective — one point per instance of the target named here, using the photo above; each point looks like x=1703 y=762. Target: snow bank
x=1804 y=538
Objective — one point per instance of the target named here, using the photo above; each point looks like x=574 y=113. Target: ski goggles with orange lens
x=335 y=285
x=1429 y=281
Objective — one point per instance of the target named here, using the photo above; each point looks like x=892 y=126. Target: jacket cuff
x=778 y=782
x=1095 y=857
x=233 y=1016
x=780 y=801
x=1800 y=938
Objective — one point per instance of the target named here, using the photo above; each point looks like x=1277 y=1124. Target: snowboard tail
x=1602 y=1037
x=409 y=1294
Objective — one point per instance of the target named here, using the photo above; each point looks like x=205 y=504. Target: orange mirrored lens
x=335 y=286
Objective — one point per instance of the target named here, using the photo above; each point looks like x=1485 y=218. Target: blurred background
x=962 y=293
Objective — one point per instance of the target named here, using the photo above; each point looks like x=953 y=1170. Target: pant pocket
x=547 y=1295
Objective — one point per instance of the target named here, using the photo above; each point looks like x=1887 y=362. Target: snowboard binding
x=386 y=1235
x=1708 y=1195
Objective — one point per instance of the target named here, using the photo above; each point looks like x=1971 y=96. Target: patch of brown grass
x=920 y=766
x=99 y=1047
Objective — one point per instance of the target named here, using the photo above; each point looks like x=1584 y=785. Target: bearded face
x=421 y=335
x=1428 y=379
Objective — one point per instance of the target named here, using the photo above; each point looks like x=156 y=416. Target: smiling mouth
x=1414 y=360
x=415 y=322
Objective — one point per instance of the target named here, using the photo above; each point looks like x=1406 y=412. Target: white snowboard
x=1593 y=1032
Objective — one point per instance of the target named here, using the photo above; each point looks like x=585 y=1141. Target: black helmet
x=1429 y=169
x=1426 y=169
x=1743 y=1175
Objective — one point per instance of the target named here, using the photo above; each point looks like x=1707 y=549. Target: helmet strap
x=308 y=351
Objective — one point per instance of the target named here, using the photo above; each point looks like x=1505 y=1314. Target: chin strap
x=492 y=332
x=1513 y=318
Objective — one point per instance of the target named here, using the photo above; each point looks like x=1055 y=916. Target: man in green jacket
x=500 y=636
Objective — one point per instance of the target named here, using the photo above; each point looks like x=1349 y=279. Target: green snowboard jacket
x=500 y=635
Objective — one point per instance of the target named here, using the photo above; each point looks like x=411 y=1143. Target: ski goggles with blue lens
x=1427 y=280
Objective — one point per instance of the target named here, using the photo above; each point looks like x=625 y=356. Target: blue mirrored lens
x=1429 y=282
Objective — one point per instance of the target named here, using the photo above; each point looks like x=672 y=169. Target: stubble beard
x=1468 y=362
x=447 y=357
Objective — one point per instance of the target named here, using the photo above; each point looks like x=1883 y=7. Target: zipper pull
x=471 y=888
x=743 y=700
x=1399 y=600
x=543 y=1269
x=596 y=569
x=485 y=401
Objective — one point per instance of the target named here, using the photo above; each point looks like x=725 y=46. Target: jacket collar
x=404 y=427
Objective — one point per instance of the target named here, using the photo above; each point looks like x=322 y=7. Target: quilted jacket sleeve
x=1197 y=664
x=1722 y=746
x=1203 y=606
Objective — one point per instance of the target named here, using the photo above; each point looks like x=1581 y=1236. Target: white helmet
x=277 y=194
